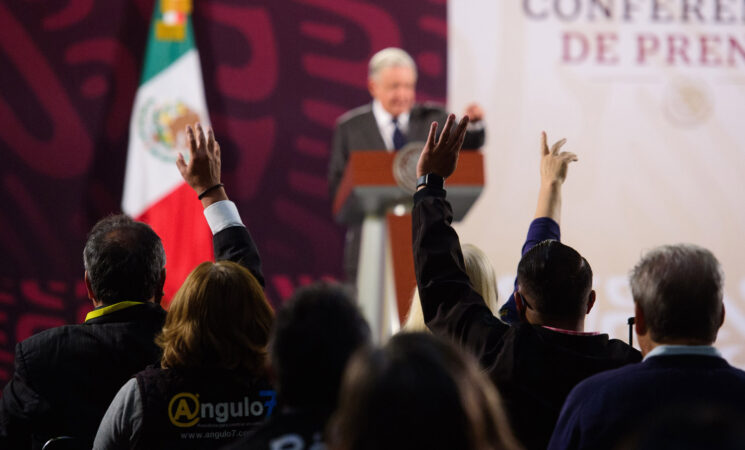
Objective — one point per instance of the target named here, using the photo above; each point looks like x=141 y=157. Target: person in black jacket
x=314 y=336
x=65 y=377
x=536 y=362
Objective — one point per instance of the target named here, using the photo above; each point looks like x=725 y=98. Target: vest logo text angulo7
x=186 y=410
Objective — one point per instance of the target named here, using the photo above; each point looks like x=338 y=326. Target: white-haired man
x=392 y=120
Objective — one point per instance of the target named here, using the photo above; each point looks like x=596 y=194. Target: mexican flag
x=170 y=96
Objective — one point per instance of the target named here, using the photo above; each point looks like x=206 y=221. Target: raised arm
x=554 y=166
x=545 y=225
x=450 y=304
x=231 y=239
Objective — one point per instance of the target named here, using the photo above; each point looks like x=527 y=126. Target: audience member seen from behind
x=418 y=391
x=678 y=304
x=315 y=334
x=536 y=362
x=212 y=381
x=481 y=274
x=65 y=377
x=547 y=218
x=218 y=326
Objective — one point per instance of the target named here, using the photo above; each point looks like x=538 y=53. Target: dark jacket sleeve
x=19 y=406
x=235 y=244
x=450 y=304
x=338 y=161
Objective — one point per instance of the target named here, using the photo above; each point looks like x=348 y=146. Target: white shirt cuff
x=221 y=215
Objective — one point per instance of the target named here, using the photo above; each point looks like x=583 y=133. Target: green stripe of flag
x=159 y=54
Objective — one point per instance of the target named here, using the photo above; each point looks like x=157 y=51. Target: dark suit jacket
x=358 y=130
x=604 y=408
x=66 y=377
x=533 y=367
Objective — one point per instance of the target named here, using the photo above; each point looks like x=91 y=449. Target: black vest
x=200 y=407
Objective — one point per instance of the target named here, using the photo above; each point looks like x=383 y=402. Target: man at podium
x=392 y=120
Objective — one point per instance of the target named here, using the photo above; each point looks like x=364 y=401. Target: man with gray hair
x=392 y=120
x=678 y=292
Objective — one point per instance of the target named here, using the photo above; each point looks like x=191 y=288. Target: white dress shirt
x=386 y=126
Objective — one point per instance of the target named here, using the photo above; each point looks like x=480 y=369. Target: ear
x=158 y=297
x=89 y=290
x=371 y=87
x=590 y=301
x=88 y=286
x=640 y=323
x=721 y=321
x=519 y=305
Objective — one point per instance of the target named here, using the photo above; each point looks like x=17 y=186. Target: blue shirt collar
x=667 y=350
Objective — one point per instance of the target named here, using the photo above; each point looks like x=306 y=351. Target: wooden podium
x=369 y=193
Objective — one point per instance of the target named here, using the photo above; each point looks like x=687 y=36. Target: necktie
x=399 y=140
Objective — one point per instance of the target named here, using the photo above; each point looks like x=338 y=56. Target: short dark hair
x=315 y=333
x=679 y=288
x=124 y=260
x=557 y=279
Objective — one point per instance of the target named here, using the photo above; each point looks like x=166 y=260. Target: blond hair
x=218 y=318
x=481 y=274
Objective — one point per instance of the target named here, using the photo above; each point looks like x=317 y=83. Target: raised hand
x=203 y=169
x=441 y=158
x=475 y=112
x=554 y=164
x=202 y=172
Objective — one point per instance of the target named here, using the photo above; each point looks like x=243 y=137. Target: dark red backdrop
x=277 y=75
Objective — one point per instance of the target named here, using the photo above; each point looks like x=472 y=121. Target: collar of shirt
x=572 y=332
x=384 y=119
x=108 y=309
x=667 y=350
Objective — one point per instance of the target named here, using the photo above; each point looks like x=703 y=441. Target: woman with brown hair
x=418 y=391
x=211 y=386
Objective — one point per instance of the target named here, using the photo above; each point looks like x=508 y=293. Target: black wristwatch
x=431 y=180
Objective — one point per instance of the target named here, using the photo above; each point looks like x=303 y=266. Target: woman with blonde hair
x=481 y=274
x=211 y=386
x=418 y=391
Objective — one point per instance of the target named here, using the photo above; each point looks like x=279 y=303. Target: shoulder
x=623 y=351
x=354 y=116
x=40 y=343
x=428 y=109
x=607 y=381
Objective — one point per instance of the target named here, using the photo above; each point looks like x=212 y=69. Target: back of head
x=218 y=318
x=316 y=332
x=483 y=280
x=556 y=278
x=124 y=260
x=390 y=57
x=679 y=288
x=418 y=392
